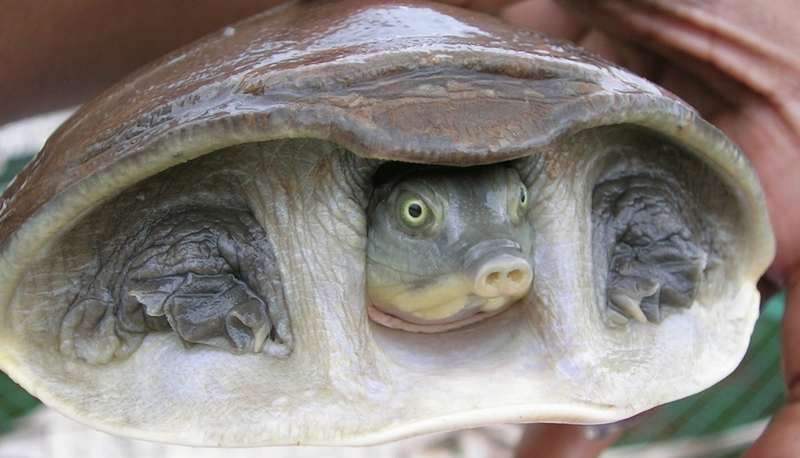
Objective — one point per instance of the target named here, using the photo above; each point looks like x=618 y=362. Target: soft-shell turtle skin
x=269 y=138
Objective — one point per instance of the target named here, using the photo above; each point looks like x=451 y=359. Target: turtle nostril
x=503 y=275
x=504 y=279
x=515 y=275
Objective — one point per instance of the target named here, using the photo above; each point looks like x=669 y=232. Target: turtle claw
x=247 y=325
x=627 y=305
x=216 y=310
x=643 y=279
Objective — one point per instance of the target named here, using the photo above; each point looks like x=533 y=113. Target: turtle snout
x=503 y=275
x=498 y=268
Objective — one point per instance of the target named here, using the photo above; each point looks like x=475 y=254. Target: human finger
x=544 y=16
x=487 y=6
x=549 y=440
x=782 y=436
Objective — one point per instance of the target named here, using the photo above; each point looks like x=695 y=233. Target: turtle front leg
x=643 y=279
x=207 y=274
x=215 y=310
x=654 y=258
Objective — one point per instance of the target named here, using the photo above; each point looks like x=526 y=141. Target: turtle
x=345 y=223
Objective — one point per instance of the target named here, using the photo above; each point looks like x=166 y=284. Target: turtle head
x=447 y=247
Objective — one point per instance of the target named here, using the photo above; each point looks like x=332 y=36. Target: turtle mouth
x=470 y=316
x=494 y=275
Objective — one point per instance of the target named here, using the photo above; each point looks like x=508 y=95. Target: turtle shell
x=272 y=131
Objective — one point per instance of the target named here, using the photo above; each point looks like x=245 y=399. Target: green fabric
x=14 y=401
x=13 y=167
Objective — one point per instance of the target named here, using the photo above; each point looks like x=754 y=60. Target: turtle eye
x=523 y=197
x=413 y=211
x=518 y=203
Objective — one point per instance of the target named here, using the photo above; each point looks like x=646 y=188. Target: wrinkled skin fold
x=188 y=271
x=655 y=261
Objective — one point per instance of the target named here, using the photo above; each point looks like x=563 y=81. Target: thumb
x=782 y=436
x=547 y=440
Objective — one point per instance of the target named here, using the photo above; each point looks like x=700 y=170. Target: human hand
x=736 y=62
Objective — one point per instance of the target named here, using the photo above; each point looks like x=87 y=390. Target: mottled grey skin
x=447 y=247
x=205 y=270
x=651 y=234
